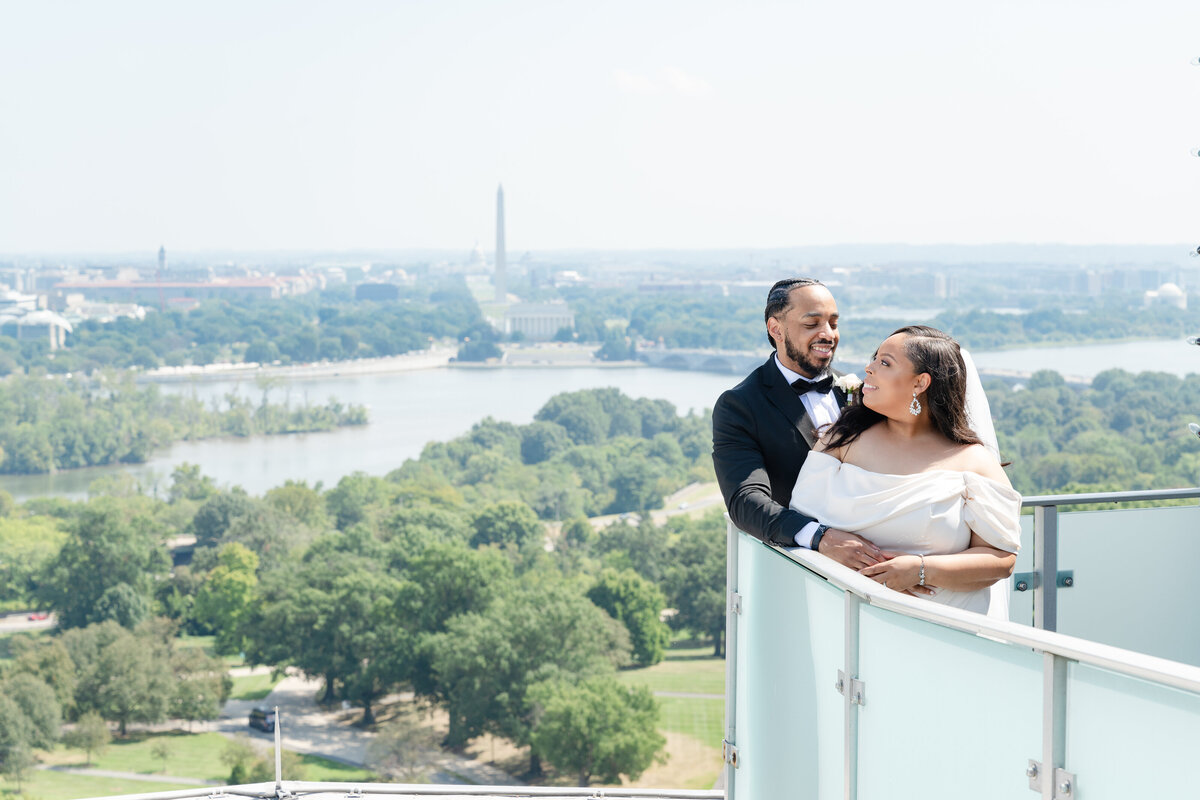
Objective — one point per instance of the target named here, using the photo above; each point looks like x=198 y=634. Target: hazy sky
x=691 y=124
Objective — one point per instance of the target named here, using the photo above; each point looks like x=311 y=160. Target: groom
x=764 y=427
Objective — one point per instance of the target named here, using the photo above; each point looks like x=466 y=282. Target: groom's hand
x=848 y=549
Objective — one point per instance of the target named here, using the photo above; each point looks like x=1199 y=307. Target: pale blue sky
x=300 y=125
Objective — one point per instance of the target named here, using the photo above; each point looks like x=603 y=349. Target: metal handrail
x=1045 y=576
x=1109 y=497
x=1125 y=662
x=296 y=789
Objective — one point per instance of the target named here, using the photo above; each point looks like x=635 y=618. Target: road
x=18 y=622
x=308 y=728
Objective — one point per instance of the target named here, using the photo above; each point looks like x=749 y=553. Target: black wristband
x=816 y=539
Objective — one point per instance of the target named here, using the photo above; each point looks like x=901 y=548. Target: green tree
x=130 y=679
x=28 y=547
x=638 y=605
x=218 y=513
x=507 y=524
x=17 y=762
x=694 y=579
x=38 y=704
x=161 y=749
x=202 y=685
x=226 y=595
x=188 y=484
x=300 y=502
x=89 y=734
x=349 y=500
x=597 y=728
x=106 y=566
x=48 y=661
x=636 y=484
x=486 y=662
x=541 y=441
x=336 y=618
x=375 y=648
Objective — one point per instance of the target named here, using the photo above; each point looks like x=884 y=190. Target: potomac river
x=409 y=409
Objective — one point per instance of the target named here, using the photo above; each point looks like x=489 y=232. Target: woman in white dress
x=903 y=468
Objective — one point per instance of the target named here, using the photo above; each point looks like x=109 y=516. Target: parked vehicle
x=263 y=719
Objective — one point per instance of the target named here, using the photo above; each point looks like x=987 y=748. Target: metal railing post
x=1045 y=567
x=851 y=699
x=732 y=609
x=1054 y=725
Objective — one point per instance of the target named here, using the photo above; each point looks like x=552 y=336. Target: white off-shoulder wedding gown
x=926 y=513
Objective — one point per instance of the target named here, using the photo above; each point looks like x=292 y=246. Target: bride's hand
x=901 y=572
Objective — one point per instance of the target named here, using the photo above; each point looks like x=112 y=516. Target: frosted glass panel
x=1129 y=738
x=1134 y=579
x=947 y=714
x=1020 y=604
x=790 y=641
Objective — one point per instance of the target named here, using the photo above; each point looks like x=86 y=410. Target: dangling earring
x=914 y=407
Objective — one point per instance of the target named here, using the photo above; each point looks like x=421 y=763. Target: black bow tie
x=803 y=386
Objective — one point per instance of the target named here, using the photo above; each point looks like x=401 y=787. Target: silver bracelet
x=922 y=582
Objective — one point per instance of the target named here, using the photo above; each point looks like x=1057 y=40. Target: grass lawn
x=317 y=768
x=45 y=785
x=696 y=755
x=253 y=687
x=193 y=755
x=685 y=669
x=701 y=719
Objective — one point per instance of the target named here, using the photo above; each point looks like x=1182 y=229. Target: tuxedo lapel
x=784 y=398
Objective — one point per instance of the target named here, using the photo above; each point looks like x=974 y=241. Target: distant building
x=41 y=324
x=1166 y=295
x=14 y=302
x=537 y=321
x=78 y=309
x=270 y=287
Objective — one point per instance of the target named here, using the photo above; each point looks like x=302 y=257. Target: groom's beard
x=810 y=368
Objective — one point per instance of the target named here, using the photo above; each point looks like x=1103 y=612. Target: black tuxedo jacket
x=761 y=436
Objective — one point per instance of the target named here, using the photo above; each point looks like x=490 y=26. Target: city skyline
x=692 y=126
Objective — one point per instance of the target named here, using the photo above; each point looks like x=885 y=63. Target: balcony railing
x=400 y=791
x=839 y=688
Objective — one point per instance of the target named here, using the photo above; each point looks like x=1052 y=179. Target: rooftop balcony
x=839 y=688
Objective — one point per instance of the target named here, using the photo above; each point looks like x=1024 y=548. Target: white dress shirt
x=823 y=410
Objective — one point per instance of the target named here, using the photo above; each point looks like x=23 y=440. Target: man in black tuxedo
x=764 y=427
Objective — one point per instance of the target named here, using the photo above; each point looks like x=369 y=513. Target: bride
x=904 y=469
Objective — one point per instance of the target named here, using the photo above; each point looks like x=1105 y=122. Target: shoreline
x=521 y=356
x=437 y=358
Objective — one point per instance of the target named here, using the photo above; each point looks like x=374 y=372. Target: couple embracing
x=898 y=477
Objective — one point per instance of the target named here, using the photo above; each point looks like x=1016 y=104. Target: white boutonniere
x=848 y=383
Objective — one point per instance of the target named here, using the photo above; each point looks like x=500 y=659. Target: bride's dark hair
x=936 y=353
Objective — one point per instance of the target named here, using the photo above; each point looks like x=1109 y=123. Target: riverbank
x=570 y=355
x=406 y=362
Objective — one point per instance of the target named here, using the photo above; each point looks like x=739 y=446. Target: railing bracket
x=858 y=689
x=1064 y=782
x=1024 y=581
x=729 y=753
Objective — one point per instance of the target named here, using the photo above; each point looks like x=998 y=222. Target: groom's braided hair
x=780 y=297
x=936 y=353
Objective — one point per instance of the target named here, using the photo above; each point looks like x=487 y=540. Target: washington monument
x=499 y=279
